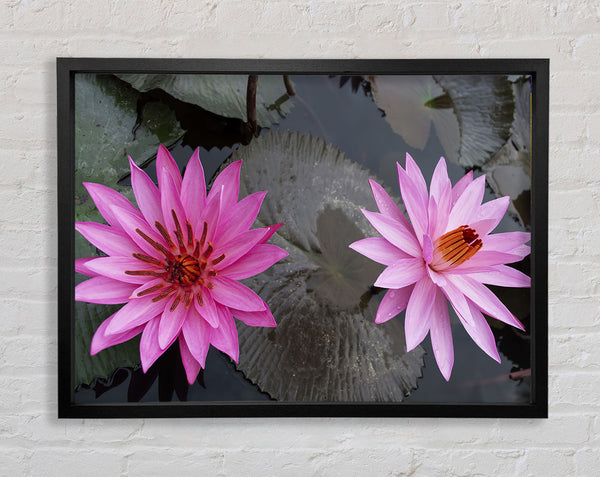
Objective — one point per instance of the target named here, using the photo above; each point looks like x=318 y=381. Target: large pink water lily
x=444 y=254
x=176 y=262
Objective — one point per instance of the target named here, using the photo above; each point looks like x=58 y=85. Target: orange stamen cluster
x=185 y=263
x=459 y=245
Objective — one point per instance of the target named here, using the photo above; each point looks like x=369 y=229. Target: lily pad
x=224 y=95
x=326 y=346
x=471 y=114
x=509 y=171
x=105 y=114
x=87 y=368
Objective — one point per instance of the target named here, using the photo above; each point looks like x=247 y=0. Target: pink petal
x=270 y=231
x=485 y=299
x=167 y=167
x=415 y=206
x=441 y=190
x=393 y=302
x=145 y=286
x=481 y=333
x=427 y=249
x=394 y=232
x=135 y=313
x=434 y=226
x=170 y=203
x=379 y=250
x=149 y=348
x=81 y=266
x=503 y=276
x=193 y=187
x=257 y=260
x=229 y=178
x=146 y=195
x=386 y=204
x=484 y=259
x=441 y=336
x=461 y=185
x=242 y=215
x=106 y=199
x=413 y=171
x=171 y=322
x=402 y=273
x=235 y=295
x=115 y=268
x=103 y=290
x=197 y=336
x=101 y=340
x=190 y=364
x=211 y=215
x=225 y=337
x=110 y=240
x=506 y=242
x=131 y=224
x=458 y=301
x=208 y=310
x=418 y=312
x=493 y=211
x=256 y=318
x=237 y=247
x=465 y=209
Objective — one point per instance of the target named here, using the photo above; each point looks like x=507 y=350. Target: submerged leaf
x=326 y=346
x=224 y=95
x=509 y=171
x=471 y=114
x=411 y=104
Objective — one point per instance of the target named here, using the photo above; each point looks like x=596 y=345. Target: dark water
x=351 y=121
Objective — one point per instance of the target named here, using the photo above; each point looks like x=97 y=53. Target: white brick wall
x=32 y=33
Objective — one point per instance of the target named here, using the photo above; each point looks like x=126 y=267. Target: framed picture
x=302 y=237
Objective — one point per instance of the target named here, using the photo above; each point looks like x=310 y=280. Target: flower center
x=186 y=266
x=185 y=270
x=455 y=247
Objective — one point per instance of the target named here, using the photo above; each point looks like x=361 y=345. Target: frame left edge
x=65 y=214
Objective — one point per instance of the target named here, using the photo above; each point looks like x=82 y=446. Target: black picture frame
x=538 y=69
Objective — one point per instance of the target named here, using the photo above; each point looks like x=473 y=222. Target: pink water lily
x=444 y=254
x=176 y=262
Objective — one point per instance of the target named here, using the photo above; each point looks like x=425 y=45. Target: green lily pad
x=105 y=115
x=471 y=114
x=224 y=95
x=326 y=346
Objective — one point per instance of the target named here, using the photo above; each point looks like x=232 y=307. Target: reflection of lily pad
x=508 y=171
x=105 y=114
x=471 y=114
x=326 y=346
x=224 y=95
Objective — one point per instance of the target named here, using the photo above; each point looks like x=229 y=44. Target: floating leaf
x=471 y=114
x=88 y=318
x=326 y=346
x=224 y=95
x=509 y=171
x=105 y=115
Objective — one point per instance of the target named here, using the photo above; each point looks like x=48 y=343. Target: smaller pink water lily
x=176 y=262
x=446 y=253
